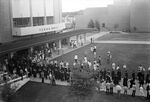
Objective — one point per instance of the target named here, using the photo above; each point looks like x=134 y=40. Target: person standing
x=133 y=90
x=111 y=87
x=141 y=91
x=99 y=60
x=118 y=88
x=50 y=77
x=148 y=91
x=94 y=51
x=125 y=84
x=76 y=58
x=109 y=57
x=42 y=76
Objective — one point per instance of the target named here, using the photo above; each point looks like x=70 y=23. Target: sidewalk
x=124 y=42
x=88 y=41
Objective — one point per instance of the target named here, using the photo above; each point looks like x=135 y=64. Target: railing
x=24 y=31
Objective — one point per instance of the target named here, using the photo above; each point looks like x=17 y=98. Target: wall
x=99 y=14
x=20 y=8
x=57 y=11
x=140 y=16
x=5 y=21
x=49 y=8
x=37 y=8
x=118 y=13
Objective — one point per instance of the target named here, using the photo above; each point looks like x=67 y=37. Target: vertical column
x=45 y=20
x=59 y=44
x=85 y=38
x=31 y=17
x=30 y=51
x=77 y=39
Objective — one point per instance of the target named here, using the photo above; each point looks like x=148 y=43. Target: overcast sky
x=75 y=5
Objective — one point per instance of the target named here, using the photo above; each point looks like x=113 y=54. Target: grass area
x=131 y=55
x=38 y=92
x=126 y=37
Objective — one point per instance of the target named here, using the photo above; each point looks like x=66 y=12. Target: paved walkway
x=124 y=42
x=88 y=41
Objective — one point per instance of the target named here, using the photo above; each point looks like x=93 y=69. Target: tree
x=97 y=25
x=91 y=24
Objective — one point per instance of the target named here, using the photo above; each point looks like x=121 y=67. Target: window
x=37 y=21
x=50 y=20
x=21 y=22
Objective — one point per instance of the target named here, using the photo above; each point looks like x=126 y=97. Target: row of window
x=37 y=21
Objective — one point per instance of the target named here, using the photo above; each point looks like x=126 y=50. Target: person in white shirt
x=124 y=66
x=92 y=49
x=141 y=91
x=95 y=66
x=118 y=88
x=76 y=58
x=118 y=67
x=85 y=59
x=113 y=66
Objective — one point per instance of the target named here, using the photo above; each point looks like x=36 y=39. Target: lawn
x=38 y=92
x=129 y=54
x=126 y=37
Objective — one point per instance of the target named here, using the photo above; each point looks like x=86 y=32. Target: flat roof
x=29 y=42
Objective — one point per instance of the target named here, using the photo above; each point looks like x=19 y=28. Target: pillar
x=85 y=38
x=59 y=44
x=31 y=18
x=77 y=39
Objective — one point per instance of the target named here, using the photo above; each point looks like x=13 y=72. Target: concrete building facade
x=140 y=16
x=20 y=18
x=123 y=15
x=110 y=16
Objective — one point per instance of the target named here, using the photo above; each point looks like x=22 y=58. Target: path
x=124 y=42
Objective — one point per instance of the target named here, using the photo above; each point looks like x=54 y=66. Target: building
x=122 y=15
x=117 y=14
x=140 y=16
x=22 y=18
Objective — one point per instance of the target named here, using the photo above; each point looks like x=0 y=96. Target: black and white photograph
x=74 y=50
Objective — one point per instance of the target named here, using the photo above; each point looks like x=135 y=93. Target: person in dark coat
x=119 y=74
x=113 y=74
x=42 y=76
x=125 y=81
x=148 y=91
x=147 y=78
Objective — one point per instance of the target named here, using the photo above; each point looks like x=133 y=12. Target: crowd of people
x=117 y=76
x=37 y=65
